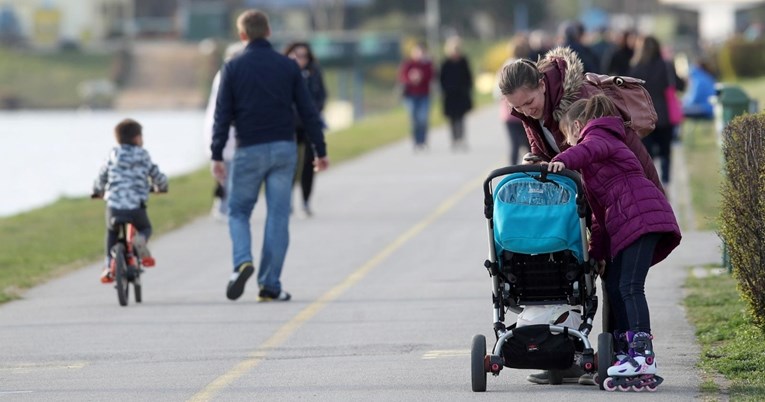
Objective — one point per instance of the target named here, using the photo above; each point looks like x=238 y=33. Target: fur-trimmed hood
x=564 y=76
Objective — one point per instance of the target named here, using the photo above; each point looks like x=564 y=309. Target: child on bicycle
x=633 y=224
x=124 y=181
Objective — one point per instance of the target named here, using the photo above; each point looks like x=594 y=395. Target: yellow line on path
x=290 y=327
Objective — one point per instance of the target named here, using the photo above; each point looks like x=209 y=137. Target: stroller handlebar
x=542 y=170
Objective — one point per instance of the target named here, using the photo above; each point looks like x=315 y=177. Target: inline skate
x=637 y=370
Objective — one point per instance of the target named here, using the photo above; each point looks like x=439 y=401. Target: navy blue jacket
x=258 y=89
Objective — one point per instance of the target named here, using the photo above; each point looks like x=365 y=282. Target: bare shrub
x=742 y=210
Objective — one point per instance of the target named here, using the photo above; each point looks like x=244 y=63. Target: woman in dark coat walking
x=649 y=65
x=302 y=54
x=457 y=85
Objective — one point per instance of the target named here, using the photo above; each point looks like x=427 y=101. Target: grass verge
x=731 y=345
x=702 y=156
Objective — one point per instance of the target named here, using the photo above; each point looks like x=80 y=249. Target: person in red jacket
x=633 y=225
x=415 y=74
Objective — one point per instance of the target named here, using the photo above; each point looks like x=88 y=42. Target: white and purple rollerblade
x=637 y=370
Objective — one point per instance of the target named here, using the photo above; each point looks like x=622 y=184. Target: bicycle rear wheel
x=120 y=273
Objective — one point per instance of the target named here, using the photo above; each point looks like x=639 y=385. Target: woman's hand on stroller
x=554 y=167
x=531 y=159
x=601 y=267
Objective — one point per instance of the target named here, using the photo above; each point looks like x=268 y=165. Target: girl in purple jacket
x=633 y=227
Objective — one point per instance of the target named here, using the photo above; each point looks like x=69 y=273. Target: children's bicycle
x=126 y=265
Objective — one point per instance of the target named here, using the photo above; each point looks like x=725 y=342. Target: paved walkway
x=388 y=289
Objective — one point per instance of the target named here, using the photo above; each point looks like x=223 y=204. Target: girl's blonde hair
x=585 y=110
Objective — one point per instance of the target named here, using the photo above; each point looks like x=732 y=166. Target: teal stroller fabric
x=533 y=217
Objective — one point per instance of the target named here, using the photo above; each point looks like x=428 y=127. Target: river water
x=45 y=155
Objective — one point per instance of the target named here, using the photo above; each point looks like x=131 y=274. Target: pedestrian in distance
x=572 y=36
x=519 y=49
x=219 y=209
x=649 y=65
x=701 y=87
x=415 y=75
x=302 y=54
x=642 y=232
x=258 y=90
x=456 y=81
x=539 y=94
x=124 y=181
x=616 y=61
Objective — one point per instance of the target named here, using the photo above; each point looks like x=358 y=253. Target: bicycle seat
x=118 y=220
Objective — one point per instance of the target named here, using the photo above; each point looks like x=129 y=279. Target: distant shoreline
x=50 y=154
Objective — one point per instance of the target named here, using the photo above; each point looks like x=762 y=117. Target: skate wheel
x=609 y=385
x=638 y=388
x=652 y=387
x=625 y=388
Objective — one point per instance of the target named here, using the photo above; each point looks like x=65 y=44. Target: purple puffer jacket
x=624 y=202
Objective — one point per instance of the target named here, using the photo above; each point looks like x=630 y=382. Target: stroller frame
x=509 y=294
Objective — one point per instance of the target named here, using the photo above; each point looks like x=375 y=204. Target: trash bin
x=731 y=101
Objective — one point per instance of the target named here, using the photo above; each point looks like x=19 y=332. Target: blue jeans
x=625 y=284
x=273 y=164
x=419 y=112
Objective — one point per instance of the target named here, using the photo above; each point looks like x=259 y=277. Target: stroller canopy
x=534 y=217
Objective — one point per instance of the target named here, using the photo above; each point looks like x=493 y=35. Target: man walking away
x=258 y=89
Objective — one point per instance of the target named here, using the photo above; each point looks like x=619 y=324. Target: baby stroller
x=537 y=224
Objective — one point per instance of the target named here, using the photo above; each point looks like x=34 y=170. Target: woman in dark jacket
x=302 y=54
x=539 y=93
x=457 y=85
x=649 y=65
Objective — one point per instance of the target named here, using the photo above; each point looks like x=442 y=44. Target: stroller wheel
x=477 y=367
x=605 y=357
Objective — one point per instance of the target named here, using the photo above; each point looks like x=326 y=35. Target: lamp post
x=432 y=23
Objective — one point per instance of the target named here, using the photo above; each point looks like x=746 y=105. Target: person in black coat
x=648 y=64
x=617 y=60
x=309 y=67
x=456 y=81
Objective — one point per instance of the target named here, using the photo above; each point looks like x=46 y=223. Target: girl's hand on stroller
x=554 y=167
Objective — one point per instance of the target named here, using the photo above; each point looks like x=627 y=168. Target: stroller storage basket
x=535 y=347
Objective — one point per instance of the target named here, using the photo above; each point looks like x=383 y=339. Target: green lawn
x=702 y=153
x=702 y=156
x=730 y=344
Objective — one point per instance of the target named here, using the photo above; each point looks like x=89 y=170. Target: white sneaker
x=215 y=211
